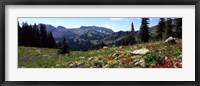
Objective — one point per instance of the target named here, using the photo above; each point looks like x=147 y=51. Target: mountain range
x=90 y=37
x=82 y=38
x=61 y=31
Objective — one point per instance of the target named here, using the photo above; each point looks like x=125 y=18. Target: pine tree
x=178 y=30
x=168 y=31
x=25 y=34
x=160 y=28
x=131 y=37
x=35 y=36
x=59 y=45
x=43 y=35
x=19 y=34
x=30 y=35
x=38 y=38
x=64 y=48
x=132 y=28
x=102 y=44
x=51 y=41
x=144 y=30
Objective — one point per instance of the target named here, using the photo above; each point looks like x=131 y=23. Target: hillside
x=159 y=54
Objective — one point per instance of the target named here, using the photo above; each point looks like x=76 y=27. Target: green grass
x=29 y=57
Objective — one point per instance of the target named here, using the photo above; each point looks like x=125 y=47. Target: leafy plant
x=153 y=60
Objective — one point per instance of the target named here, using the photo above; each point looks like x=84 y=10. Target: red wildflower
x=166 y=64
x=158 y=66
x=171 y=61
x=123 y=61
x=163 y=61
x=129 y=59
x=177 y=65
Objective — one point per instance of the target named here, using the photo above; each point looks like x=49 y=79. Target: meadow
x=159 y=55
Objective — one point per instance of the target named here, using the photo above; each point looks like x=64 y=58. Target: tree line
x=164 y=30
x=34 y=36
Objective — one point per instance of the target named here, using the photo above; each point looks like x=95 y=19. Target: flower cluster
x=169 y=64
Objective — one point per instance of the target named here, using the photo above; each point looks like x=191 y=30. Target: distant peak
x=60 y=26
x=88 y=26
x=45 y=24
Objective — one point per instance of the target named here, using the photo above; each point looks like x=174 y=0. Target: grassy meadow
x=160 y=55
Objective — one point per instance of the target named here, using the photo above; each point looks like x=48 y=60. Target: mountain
x=79 y=39
x=90 y=37
x=116 y=38
x=61 y=28
x=88 y=40
x=99 y=29
x=55 y=32
x=93 y=35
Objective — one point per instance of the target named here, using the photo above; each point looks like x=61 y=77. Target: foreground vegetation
x=160 y=55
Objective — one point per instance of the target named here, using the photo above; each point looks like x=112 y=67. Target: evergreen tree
x=132 y=28
x=25 y=34
x=19 y=34
x=131 y=37
x=43 y=35
x=178 y=30
x=168 y=31
x=30 y=35
x=102 y=44
x=51 y=41
x=36 y=36
x=160 y=28
x=59 y=45
x=64 y=48
x=144 y=30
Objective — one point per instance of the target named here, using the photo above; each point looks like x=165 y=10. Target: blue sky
x=116 y=24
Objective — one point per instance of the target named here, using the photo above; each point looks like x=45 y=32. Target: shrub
x=63 y=48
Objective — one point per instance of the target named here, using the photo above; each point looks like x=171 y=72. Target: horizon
x=115 y=24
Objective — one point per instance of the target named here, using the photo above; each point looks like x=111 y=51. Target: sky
x=116 y=24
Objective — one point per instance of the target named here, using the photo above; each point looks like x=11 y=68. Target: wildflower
x=177 y=65
x=166 y=64
x=129 y=59
x=171 y=61
x=158 y=66
x=163 y=61
x=123 y=61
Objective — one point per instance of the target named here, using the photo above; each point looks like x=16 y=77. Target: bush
x=153 y=59
x=64 y=48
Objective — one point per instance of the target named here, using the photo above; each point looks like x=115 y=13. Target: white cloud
x=109 y=26
x=119 y=19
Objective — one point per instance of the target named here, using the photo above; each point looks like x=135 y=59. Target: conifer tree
x=43 y=35
x=102 y=44
x=31 y=35
x=144 y=30
x=178 y=30
x=64 y=48
x=19 y=34
x=168 y=31
x=131 y=38
x=160 y=28
x=132 y=28
x=51 y=41
x=25 y=34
